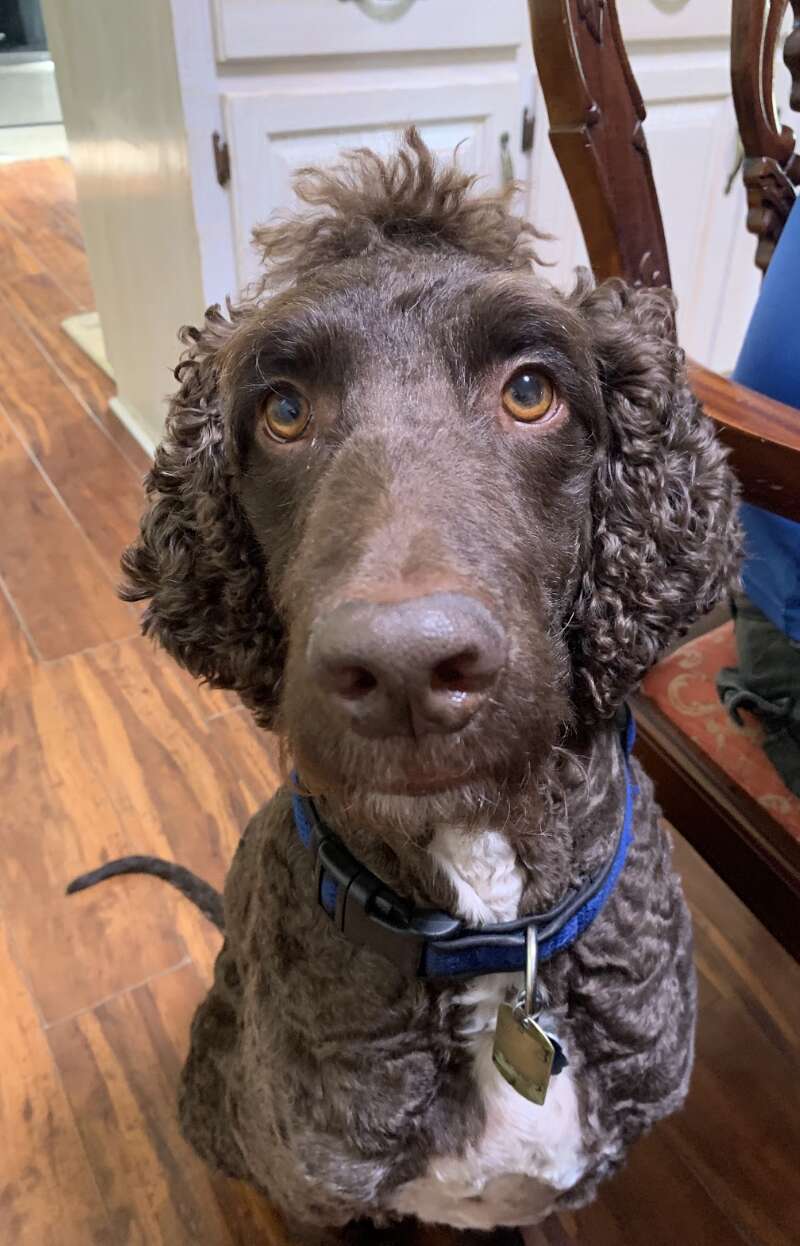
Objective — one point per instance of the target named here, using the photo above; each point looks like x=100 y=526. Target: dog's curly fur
x=398 y=301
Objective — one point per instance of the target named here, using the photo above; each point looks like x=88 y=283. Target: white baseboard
x=133 y=426
x=86 y=332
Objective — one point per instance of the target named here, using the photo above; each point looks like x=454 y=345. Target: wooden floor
x=106 y=748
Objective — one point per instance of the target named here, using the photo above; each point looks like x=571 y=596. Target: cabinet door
x=272 y=133
x=693 y=138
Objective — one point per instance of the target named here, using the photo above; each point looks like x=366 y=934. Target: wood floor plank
x=739 y=1133
x=28 y=369
x=183 y=788
x=20 y=352
x=18 y=663
x=251 y=780
x=108 y=753
x=53 y=184
x=48 y=1194
x=150 y=680
x=15 y=257
x=58 y=821
x=33 y=387
x=17 y=658
x=655 y=1201
x=121 y=1084
x=257 y=766
x=45 y=559
x=41 y=224
x=41 y=306
x=99 y=485
x=52 y=177
x=84 y=380
x=738 y=954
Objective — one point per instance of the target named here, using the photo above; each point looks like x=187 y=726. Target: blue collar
x=426 y=943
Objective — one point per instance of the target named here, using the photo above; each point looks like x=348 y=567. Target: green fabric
x=766 y=682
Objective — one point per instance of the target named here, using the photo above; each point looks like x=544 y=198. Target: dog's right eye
x=528 y=395
x=287 y=414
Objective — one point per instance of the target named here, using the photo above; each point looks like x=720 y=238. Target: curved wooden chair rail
x=596 y=118
x=763 y=436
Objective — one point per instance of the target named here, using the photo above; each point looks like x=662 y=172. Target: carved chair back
x=596 y=129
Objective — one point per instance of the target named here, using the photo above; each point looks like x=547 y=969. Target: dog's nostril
x=354 y=682
x=418 y=666
x=459 y=673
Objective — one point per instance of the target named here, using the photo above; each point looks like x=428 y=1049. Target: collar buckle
x=370 y=914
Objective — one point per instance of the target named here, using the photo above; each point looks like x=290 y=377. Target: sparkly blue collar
x=428 y=943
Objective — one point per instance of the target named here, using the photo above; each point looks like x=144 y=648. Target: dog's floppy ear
x=665 y=542
x=197 y=558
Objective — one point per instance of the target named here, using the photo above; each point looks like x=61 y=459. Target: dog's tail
x=201 y=893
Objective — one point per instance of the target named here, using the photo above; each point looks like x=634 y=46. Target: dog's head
x=423 y=512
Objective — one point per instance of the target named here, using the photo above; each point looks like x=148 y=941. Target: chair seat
x=683 y=686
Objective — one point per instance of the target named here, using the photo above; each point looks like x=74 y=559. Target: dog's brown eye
x=287 y=414
x=528 y=395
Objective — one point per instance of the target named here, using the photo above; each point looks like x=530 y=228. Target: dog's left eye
x=528 y=395
x=287 y=413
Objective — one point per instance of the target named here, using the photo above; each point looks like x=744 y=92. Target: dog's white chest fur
x=526 y=1154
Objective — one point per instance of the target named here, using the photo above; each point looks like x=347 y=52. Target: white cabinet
x=285 y=83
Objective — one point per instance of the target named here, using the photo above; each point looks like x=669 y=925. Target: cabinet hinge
x=528 y=129
x=222 y=159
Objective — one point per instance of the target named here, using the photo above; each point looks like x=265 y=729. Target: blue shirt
x=769 y=363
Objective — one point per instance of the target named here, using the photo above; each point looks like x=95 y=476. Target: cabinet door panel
x=272 y=134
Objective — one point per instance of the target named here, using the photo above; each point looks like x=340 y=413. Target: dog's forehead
x=441 y=305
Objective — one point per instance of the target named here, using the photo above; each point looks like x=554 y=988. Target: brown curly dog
x=433 y=521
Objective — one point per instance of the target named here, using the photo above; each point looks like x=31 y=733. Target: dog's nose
x=408 y=668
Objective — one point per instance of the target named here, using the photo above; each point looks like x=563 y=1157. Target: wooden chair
x=596 y=129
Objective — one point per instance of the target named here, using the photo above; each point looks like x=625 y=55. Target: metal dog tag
x=523 y=1053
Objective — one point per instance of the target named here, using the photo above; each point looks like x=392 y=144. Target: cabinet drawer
x=259 y=29
x=646 y=20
